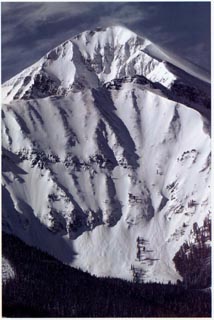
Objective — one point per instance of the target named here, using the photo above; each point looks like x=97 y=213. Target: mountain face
x=106 y=155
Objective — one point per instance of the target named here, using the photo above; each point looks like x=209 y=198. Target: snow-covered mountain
x=106 y=154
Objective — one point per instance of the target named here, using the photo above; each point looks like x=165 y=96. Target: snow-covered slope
x=103 y=166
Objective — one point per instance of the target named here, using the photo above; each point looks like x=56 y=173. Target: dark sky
x=30 y=29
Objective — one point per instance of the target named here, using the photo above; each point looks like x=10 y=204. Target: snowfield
x=105 y=142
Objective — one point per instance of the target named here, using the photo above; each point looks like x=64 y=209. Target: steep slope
x=102 y=166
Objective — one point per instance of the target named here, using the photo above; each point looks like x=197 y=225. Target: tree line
x=44 y=287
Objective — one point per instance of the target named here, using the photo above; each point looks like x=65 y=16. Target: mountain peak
x=116 y=173
x=87 y=60
x=92 y=58
x=114 y=30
